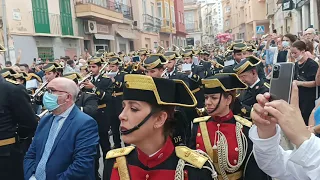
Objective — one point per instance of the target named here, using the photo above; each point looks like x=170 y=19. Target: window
x=45 y=53
x=66 y=18
x=152 y=9
x=167 y=14
x=167 y=11
x=160 y=14
x=144 y=6
x=41 y=16
x=173 y=17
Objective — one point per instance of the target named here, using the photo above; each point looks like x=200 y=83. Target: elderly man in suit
x=65 y=143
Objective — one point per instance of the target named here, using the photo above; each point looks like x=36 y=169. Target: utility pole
x=4 y=27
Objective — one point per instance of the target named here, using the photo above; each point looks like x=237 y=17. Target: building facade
x=212 y=20
x=39 y=31
x=245 y=19
x=146 y=24
x=193 y=22
x=166 y=13
x=293 y=21
x=179 y=39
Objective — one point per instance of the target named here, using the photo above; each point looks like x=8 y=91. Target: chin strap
x=126 y=132
x=216 y=106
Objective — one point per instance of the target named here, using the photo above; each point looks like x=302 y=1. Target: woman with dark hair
x=305 y=74
x=284 y=53
x=148 y=121
x=223 y=135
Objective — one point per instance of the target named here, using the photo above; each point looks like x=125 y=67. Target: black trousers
x=103 y=127
x=115 y=111
x=11 y=162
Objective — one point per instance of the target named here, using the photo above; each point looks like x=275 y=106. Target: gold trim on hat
x=143 y=82
x=171 y=57
x=244 y=66
x=214 y=83
x=5 y=74
x=94 y=61
x=50 y=68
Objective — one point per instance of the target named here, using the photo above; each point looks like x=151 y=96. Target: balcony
x=148 y=20
x=192 y=27
x=103 y=11
x=37 y=23
x=270 y=9
x=150 y=23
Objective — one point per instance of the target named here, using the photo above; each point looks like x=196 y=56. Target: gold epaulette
x=12 y=81
x=105 y=76
x=201 y=119
x=243 y=121
x=119 y=152
x=266 y=85
x=191 y=156
x=90 y=93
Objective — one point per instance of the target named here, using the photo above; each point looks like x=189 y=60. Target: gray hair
x=69 y=86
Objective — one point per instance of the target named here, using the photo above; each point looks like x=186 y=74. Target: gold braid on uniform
x=179 y=175
x=223 y=159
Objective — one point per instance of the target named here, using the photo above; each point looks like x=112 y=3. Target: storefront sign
x=101 y=28
x=287 y=5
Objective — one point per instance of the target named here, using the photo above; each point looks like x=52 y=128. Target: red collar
x=224 y=118
x=159 y=157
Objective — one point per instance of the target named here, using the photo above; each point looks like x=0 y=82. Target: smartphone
x=135 y=58
x=281 y=81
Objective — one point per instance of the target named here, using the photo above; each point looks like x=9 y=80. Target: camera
x=275 y=71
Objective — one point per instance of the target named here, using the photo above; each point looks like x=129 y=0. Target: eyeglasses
x=52 y=91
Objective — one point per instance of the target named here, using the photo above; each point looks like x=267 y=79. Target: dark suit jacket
x=73 y=153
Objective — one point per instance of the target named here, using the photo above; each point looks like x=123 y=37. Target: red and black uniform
x=227 y=125
x=160 y=166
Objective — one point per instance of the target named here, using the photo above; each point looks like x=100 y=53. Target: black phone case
x=280 y=88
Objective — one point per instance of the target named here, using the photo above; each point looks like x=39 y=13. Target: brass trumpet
x=136 y=66
x=42 y=114
x=160 y=50
x=87 y=77
x=40 y=90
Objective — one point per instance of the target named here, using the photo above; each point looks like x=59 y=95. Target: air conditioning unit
x=90 y=27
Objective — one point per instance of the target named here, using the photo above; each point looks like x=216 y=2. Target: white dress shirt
x=64 y=116
x=257 y=81
x=300 y=164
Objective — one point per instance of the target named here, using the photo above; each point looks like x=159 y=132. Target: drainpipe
x=4 y=27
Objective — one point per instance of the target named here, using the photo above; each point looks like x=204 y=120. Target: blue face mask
x=317 y=116
x=50 y=101
x=285 y=44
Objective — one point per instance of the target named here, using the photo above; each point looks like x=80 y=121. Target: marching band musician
x=115 y=108
x=154 y=65
x=21 y=78
x=31 y=90
x=101 y=86
x=137 y=67
x=247 y=70
x=15 y=111
x=195 y=75
x=221 y=134
x=172 y=72
x=51 y=71
x=87 y=102
x=8 y=73
x=238 y=53
x=147 y=121
x=260 y=68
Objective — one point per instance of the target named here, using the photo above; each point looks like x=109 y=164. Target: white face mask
x=299 y=58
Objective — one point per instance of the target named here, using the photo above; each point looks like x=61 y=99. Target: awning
x=126 y=34
x=104 y=36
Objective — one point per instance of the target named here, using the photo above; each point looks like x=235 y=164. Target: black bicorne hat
x=158 y=91
x=247 y=64
x=50 y=67
x=222 y=82
x=8 y=73
x=73 y=76
x=115 y=60
x=171 y=55
x=238 y=47
x=155 y=61
x=188 y=52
